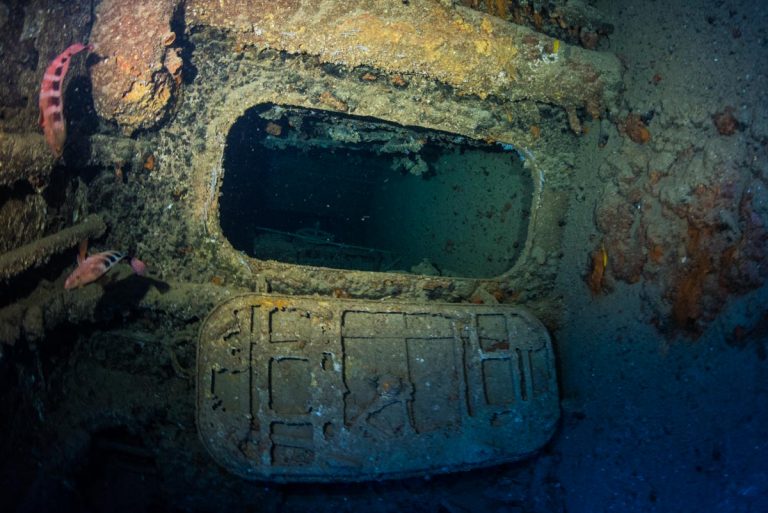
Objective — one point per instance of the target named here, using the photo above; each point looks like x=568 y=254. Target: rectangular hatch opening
x=318 y=188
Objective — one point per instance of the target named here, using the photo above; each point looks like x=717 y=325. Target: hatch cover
x=315 y=389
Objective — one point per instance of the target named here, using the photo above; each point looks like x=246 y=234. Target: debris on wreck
x=696 y=230
x=635 y=128
x=574 y=21
x=136 y=84
x=598 y=262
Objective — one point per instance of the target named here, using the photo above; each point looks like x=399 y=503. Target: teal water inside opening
x=315 y=188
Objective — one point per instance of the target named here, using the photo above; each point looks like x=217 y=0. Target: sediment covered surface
x=660 y=325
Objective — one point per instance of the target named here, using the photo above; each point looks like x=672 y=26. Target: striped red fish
x=51 y=101
x=91 y=268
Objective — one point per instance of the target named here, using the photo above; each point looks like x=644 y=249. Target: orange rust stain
x=278 y=304
x=149 y=162
x=327 y=98
x=476 y=299
x=656 y=253
x=498 y=8
x=497 y=345
x=725 y=121
x=341 y=293
x=686 y=301
x=538 y=20
x=598 y=264
x=634 y=128
x=398 y=81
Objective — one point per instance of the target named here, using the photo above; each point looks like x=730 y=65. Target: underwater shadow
x=126 y=294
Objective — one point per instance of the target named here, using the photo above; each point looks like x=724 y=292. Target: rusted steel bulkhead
x=448 y=69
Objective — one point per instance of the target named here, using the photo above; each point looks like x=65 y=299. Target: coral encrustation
x=139 y=71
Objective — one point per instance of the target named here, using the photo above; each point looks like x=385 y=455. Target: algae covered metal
x=314 y=389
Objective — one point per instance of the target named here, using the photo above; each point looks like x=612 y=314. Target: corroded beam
x=22 y=156
x=26 y=155
x=38 y=252
x=473 y=53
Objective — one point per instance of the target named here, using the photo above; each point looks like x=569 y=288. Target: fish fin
x=83 y=254
x=138 y=266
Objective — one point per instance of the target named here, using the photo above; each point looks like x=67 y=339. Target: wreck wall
x=239 y=66
x=422 y=64
x=31 y=34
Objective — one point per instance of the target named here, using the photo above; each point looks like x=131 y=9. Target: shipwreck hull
x=324 y=78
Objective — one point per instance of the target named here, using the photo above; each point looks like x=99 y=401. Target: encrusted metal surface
x=320 y=389
x=20 y=259
x=470 y=52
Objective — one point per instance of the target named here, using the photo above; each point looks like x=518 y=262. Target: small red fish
x=91 y=268
x=51 y=102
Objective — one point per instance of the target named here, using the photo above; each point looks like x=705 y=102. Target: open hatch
x=317 y=188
